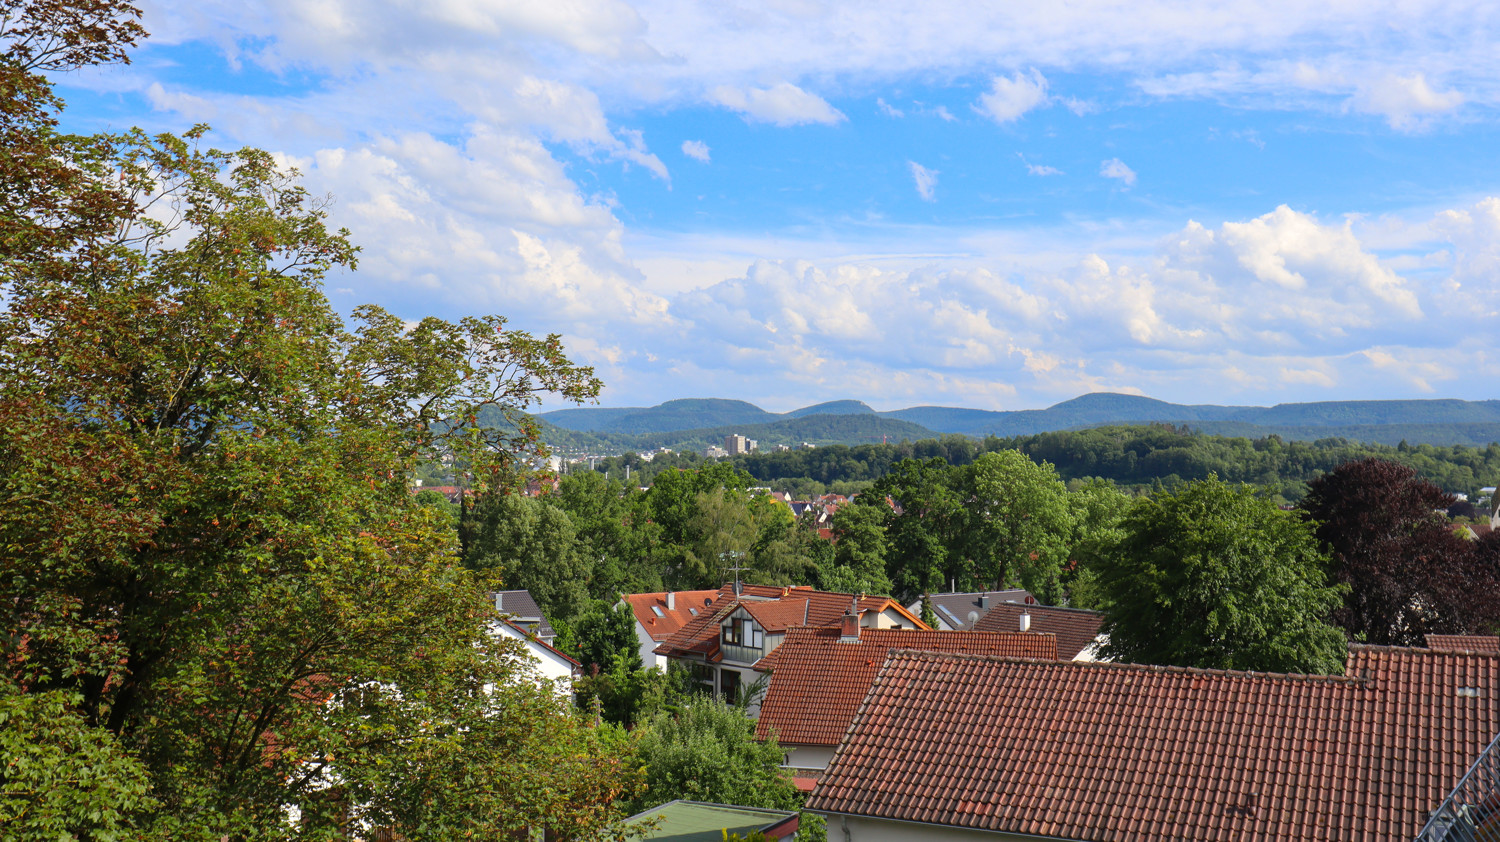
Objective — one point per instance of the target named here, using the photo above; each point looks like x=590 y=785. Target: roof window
x=656 y=609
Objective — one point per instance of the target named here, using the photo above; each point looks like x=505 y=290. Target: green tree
x=527 y=542
x=922 y=542
x=858 y=564
x=1214 y=575
x=708 y=752
x=217 y=588
x=1018 y=524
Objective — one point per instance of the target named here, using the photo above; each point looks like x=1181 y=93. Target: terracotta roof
x=1129 y=753
x=660 y=626
x=1075 y=628
x=779 y=615
x=822 y=608
x=1464 y=643
x=819 y=681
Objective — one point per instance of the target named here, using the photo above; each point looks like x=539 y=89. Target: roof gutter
x=843 y=821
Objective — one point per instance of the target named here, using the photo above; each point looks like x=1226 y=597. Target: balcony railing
x=1471 y=812
x=740 y=654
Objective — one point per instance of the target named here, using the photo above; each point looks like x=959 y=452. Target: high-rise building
x=737 y=444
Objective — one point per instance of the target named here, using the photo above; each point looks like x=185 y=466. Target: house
x=1077 y=630
x=521 y=609
x=820 y=675
x=659 y=615
x=551 y=662
x=700 y=821
x=960 y=611
x=522 y=619
x=971 y=747
x=744 y=623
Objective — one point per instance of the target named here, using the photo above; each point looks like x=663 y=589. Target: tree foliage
x=1408 y=574
x=216 y=586
x=708 y=752
x=1213 y=575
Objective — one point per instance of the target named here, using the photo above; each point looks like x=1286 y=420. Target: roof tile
x=1132 y=753
x=1075 y=628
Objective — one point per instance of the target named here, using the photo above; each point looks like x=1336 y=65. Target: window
x=729 y=684
x=656 y=609
x=732 y=633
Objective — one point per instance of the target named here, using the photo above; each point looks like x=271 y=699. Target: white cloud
x=695 y=149
x=1011 y=97
x=784 y=105
x=926 y=180
x=1038 y=169
x=1115 y=168
x=1404 y=101
x=889 y=110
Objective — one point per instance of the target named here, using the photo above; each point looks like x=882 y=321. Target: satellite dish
x=973 y=617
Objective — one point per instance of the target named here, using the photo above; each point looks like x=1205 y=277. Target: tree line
x=1136 y=458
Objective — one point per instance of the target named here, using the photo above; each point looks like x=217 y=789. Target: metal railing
x=1471 y=812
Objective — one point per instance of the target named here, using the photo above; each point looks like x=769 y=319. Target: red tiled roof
x=1075 y=628
x=819 y=681
x=1464 y=643
x=1131 y=753
x=779 y=615
x=822 y=608
x=671 y=619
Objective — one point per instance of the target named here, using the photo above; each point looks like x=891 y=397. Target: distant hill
x=862 y=428
x=1441 y=422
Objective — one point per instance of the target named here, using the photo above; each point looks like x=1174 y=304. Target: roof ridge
x=1422 y=650
x=1029 y=606
x=1110 y=665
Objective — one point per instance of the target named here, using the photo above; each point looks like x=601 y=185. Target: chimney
x=983 y=600
x=1026 y=622
x=671 y=600
x=850 y=631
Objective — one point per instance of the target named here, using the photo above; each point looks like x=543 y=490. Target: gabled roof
x=1464 y=643
x=955 y=608
x=657 y=619
x=819 y=680
x=1075 y=628
x=697 y=821
x=525 y=636
x=521 y=607
x=1133 y=753
x=779 y=615
x=821 y=608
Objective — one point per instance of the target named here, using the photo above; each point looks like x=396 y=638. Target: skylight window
x=656 y=609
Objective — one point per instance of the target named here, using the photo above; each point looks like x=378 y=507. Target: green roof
x=696 y=821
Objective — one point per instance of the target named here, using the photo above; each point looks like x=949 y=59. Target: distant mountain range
x=685 y=423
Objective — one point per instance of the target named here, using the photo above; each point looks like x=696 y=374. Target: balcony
x=740 y=654
x=1472 y=811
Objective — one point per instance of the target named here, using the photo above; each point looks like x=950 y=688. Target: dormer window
x=742 y=632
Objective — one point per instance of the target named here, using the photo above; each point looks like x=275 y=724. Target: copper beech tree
x=224 y=617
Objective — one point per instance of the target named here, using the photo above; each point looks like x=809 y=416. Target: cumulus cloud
x=1115 y=168
x=695 y=149
x=783 y=105
x=1404 y=101
x=926 y=180
x=1011 y=97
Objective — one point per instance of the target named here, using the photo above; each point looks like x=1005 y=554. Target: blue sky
x=792 y=201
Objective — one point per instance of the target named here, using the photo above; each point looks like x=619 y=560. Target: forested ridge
x=1138 y=457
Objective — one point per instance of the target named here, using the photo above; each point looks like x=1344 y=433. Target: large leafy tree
x=707 y=751
x=1408 y=574
x=1018 y=523
x=529 y=543
x=215 y=585
x=1214 y=575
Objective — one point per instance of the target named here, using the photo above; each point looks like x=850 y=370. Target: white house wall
x=808 y=757
x=551 y=665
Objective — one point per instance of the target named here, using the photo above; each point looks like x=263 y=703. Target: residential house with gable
x=521 y=619
x=960 y=611
x=660 y=615
x=820 y=675
x=1076 y=629
x=744 y=623
x=979 y=747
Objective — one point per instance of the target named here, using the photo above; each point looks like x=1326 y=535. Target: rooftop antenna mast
x=736 y=555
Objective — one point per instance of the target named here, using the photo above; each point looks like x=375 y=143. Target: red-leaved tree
x=1409 y=574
